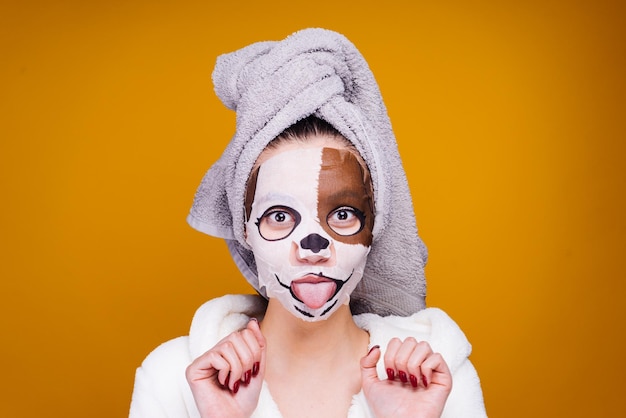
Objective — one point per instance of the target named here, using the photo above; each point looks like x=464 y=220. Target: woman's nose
x=314 y=242
x=313 y=249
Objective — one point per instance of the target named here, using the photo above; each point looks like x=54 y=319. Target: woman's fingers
x=255 y=328
x=222 y=380
x=235 y=359
x=206 y=366
x=435 y=370
x=243 y=351
x=390 y=358
x=418 y=383
x=258 y=368
x=405 y=355
x=256 y=343
x=368 y=366
x=231 y=350
x=420 y=353
x=414 y=363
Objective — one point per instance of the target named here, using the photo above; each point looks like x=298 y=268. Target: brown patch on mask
x=344 y=181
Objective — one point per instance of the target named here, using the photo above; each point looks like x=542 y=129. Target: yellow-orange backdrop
x=510 y=119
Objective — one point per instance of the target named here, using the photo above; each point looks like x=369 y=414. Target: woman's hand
x=226 y=380
x=418 y=383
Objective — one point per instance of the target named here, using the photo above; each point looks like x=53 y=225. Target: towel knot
x=309 y=68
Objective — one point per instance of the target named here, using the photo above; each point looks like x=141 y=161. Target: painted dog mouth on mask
x=314 y=290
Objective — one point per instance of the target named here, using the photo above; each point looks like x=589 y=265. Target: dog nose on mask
x=314 y=242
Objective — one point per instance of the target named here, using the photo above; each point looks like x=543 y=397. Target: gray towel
x=272 y=85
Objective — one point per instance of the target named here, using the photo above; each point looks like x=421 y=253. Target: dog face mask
x=309 y=223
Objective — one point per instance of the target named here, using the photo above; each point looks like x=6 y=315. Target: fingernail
x=236 y=387
x=255 y=368
x=390 y=373
x=413 y=380
x=254 y=319
x=247 y=376
x=424 y=381
x=372 y=349
x=402 y=376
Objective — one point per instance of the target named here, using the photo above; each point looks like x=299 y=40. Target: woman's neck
x=312 y=367
x=329 y=342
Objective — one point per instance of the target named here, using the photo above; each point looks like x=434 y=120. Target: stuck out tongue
x=314 y=295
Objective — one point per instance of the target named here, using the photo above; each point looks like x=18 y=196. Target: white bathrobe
x=161 y=389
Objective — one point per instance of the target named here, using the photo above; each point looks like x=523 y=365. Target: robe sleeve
x=161 y=389
x=466 y=398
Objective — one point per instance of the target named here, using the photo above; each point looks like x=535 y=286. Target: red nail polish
x=255 y=368
x=236 y=387
x=402 y=376
x=424 y=381
x=390 y=373
x=413 y=380
x=247 y=376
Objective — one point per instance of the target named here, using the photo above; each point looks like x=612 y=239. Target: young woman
x=313 y=202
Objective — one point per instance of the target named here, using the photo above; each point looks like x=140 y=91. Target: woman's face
x=309 y=223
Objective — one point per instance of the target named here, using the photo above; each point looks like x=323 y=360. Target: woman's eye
x=346 y=220
x=278 y=222
x=280 y=217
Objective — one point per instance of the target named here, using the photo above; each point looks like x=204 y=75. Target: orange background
x=510 y=120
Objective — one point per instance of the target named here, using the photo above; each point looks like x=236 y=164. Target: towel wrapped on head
x=271 y=86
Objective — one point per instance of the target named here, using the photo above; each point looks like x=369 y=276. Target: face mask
x=309 y=224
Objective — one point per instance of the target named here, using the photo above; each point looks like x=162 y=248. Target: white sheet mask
x=310 y=228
